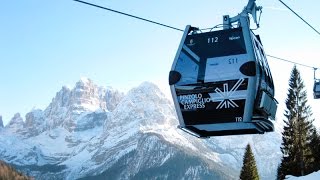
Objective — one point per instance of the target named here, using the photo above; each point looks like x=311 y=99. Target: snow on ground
x=52 y=142
x=10 y=145
x=87 y=135
x=174 y=135
x=312 y=176
x=119 y=134
x=79 y=159
x=170 y=134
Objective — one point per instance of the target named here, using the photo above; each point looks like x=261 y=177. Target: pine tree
x=296 y=136
x=280 y=171
x=249 y=169
x=315 y=150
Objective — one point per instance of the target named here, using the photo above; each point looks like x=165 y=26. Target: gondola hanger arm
x=250 y=8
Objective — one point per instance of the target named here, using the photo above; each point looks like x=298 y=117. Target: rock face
x=86 y=97
x=91 y=132
x=34 y=123
x=16 y=124
x=112 y=98
x=69 y=103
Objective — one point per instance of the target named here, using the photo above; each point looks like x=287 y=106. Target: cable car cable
x=292 y=62
x=126 y=14
x=174 y=28
x=300 y=17
x=204 y=103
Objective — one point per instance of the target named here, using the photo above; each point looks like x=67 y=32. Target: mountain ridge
x=97 y=129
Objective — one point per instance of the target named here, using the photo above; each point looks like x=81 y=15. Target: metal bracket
x=251 y=8
x=314 y=74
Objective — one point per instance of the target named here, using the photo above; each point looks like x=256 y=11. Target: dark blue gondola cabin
x=316 y=89
x=221 y=83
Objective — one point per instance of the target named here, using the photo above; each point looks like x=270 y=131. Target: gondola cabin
x=316 y=89
x=221 y=83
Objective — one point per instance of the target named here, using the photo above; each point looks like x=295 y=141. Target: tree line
x=300 y=140
x=300 y=145
x=9 y=173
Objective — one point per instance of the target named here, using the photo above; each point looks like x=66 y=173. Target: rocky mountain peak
x=62 y=98
x=17 y=119
x=85 y=80
x=146 y=91
x=112 y=98
x=16 y=124
x=34 y=123
x=87 y=96
x=142 y=106
x=85 y=84
x=34 y=117
x=148 y=87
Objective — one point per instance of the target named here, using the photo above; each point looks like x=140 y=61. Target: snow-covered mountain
x=92 y=132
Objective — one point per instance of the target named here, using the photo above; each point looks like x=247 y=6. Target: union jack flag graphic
x=226 y=97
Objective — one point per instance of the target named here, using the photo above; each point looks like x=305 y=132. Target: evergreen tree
x=249 y=169
x=280 y=171
x=297 y=133
x=315 y=150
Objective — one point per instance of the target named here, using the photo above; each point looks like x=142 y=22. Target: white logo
x=191 y=43
x=226 y=99
x=234 y=38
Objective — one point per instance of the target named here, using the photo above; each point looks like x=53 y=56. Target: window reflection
x=188 y=68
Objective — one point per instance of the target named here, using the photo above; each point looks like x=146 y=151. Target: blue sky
x=45 y=45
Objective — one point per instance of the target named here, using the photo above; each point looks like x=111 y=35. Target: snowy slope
x=312 y=176
x=91 y=132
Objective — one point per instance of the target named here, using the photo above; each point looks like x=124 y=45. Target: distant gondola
x=316 y=85
x=316 y=89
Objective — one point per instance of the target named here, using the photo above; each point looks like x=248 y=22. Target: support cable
x=126 y=14
x=293 y=62
x=300 y=17
x=174 y=28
